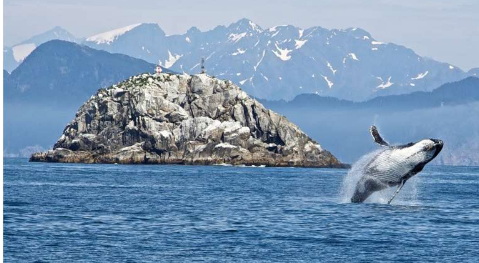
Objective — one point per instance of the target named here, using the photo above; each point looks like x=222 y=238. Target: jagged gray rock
x=183 y=119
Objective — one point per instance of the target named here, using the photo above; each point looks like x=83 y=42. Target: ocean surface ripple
x=126 y=213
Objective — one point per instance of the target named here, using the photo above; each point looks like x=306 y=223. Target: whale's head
x=422 y=151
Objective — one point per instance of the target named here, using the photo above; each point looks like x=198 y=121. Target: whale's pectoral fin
x=397 y=191
x=377 y=138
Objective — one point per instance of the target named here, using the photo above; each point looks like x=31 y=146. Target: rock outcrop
x=182 y=119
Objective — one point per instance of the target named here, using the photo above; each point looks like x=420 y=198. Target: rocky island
x=182 y=119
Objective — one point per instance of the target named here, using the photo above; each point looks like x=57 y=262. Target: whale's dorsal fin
x=377 y=138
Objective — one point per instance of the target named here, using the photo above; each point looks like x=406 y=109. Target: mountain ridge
x=449 y=94
x=15 y=55
x=284 y=61
x=279 y=62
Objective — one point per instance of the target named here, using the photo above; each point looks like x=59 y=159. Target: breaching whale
x=394 y=165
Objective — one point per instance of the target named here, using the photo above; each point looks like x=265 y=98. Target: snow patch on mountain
x=238 y=52
x=110 y=36
x=330 y=83
x=353 y=56
x=331 y=68
x=259 y=62
x=384 y=85
x=244 y=80
x=299 y=43
x=420 y=75
x=236 y=37
x=208 y=57
x=20 y=52
x=272 y=29
x=255 y=27
x=196 y=65
x=171 y=60
x=283 y=54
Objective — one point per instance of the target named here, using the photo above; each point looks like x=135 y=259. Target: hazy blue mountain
x=45 y=91
x=9 y=62
x=449 y=113
x=474 y=72
x=6 y=75
x=13 y=56
x=284 y=61
x=450 y=94
x=61 y=72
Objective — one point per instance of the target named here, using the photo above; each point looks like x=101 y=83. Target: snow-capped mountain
x=275 y=63
x=284 y=61
x=13 y=56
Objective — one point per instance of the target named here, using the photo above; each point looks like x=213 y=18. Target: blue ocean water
x=125 y=213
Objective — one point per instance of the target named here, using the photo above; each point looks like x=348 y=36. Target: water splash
x=355 y=173
x=407 y=196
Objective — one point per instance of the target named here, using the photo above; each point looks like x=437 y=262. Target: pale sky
x=445 y=30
